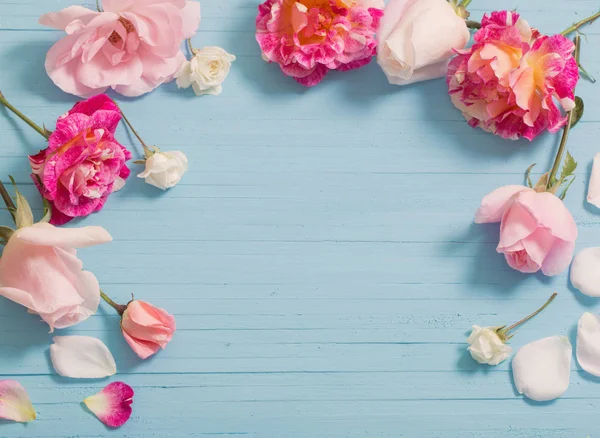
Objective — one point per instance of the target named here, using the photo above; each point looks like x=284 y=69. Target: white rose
x=206 y=71
x=165 y=169
x=486 y=346
x=416 y=39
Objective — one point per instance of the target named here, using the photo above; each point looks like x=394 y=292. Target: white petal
x=81 y=357
x=585 y=271
x=588 y=343
x=541 y=369
x=593 y=196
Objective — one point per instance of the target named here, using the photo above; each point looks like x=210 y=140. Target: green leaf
x=568 y=168
x=528 y=175
x=578 y=110
x=23 y=215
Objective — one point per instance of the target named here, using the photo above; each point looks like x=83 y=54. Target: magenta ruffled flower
x=83 y=163
x=307 y=38
x=514 y=81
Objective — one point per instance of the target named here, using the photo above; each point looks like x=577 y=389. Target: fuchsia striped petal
x=112 y=405
x=15 y=403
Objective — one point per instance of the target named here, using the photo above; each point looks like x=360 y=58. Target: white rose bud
x=416 y=39
x=165 y=169
x=486 y=346
x=206 y=71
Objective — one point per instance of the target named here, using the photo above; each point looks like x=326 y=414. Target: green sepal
x=23 y=215
x=528 y=175
x=5 y=234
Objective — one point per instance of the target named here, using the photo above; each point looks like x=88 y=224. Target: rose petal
x=585 y=272
x=593 y=196
x=588 y=343
x=541 y=369
x=81 y=357
x=48 y=235
x=15 y=403
x=494 y=204
x=112 y=405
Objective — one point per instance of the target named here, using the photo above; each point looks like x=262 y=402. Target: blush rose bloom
x=308 y=38
x=512 y=78
x=536 y=229
x=83 y=163
x=417 y=38
x=147 y=328
x=133 y=46
x=39 y=269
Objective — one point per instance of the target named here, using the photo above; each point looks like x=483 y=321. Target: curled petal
x=494 y=204
x=588 y=343
x=112 y=405
x=585 y=272
x=541 y=369
x=593 y=196
x=15 y=403
x=81 y=357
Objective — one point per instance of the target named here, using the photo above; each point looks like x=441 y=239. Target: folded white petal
x=81 y=357
x=585 y=271
x=588 y=343
x=541 y=369
x=593 y=196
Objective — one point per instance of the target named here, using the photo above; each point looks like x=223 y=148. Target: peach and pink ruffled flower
x=514 y=81
x=83 y=163
x=112 y=405
x=307 y=38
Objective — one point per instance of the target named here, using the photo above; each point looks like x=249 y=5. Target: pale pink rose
x=133 y=46
x=513 y=80
x=83 y=163
x=39 y=269
x=146 y=328
x=536 y=229
x=417 y=38
x=308 y=38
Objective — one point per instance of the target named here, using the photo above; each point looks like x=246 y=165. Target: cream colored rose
x=486 y=346
x=165 y=169
x=206 y=71
x=417 y=38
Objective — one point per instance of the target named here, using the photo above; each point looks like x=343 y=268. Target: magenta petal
x=112 y=405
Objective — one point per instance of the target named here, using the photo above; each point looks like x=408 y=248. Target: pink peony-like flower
x=510 y=80
x=83 y=163
x=133 y=46
x=537 y=231
x=307 y=38
x=147 y=328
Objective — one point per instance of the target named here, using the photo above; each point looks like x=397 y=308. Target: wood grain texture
x=320 y=256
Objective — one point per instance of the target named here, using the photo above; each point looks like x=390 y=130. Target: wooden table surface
x=319 y=256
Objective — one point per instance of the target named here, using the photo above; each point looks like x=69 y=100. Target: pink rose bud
x=146 y=328
x=536 y=229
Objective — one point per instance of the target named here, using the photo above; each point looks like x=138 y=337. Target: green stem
x=527 y=318
x=192 y=50
x=120 y=308
x=581 y=23
x=10 y=205
x=566 y=130
x=465 y=3
x=23 y=117
x=147 y=151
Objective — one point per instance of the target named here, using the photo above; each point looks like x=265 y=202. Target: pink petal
x=191 y=19
x=593 y=195
x=494 y=204
x=46 y=235
x=112 y=405
x=558 y=258
x=15 y=403
x=517 y=224
x=144 y=349
x=60 y=20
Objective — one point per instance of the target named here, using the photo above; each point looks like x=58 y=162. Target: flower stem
x=527 y=318
x=566 y=130
x=10 y=205
x=465 y=3
x=23 y=117
x=98 y=6
x=581 y=23
x=120 y=308
x=192 y=50
x=147 y=151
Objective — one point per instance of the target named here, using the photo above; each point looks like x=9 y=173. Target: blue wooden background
x=320 y=256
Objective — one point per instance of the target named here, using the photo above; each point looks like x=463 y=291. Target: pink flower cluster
x=510 y=80
x=83 y=162
x=307 y=38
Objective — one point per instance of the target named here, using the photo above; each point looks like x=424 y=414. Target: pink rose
x=536 y=229
x=307 y=38
x=146 y=328
x=510 y=81
x=133 y=46
x=83 y=163
x=39 y=269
